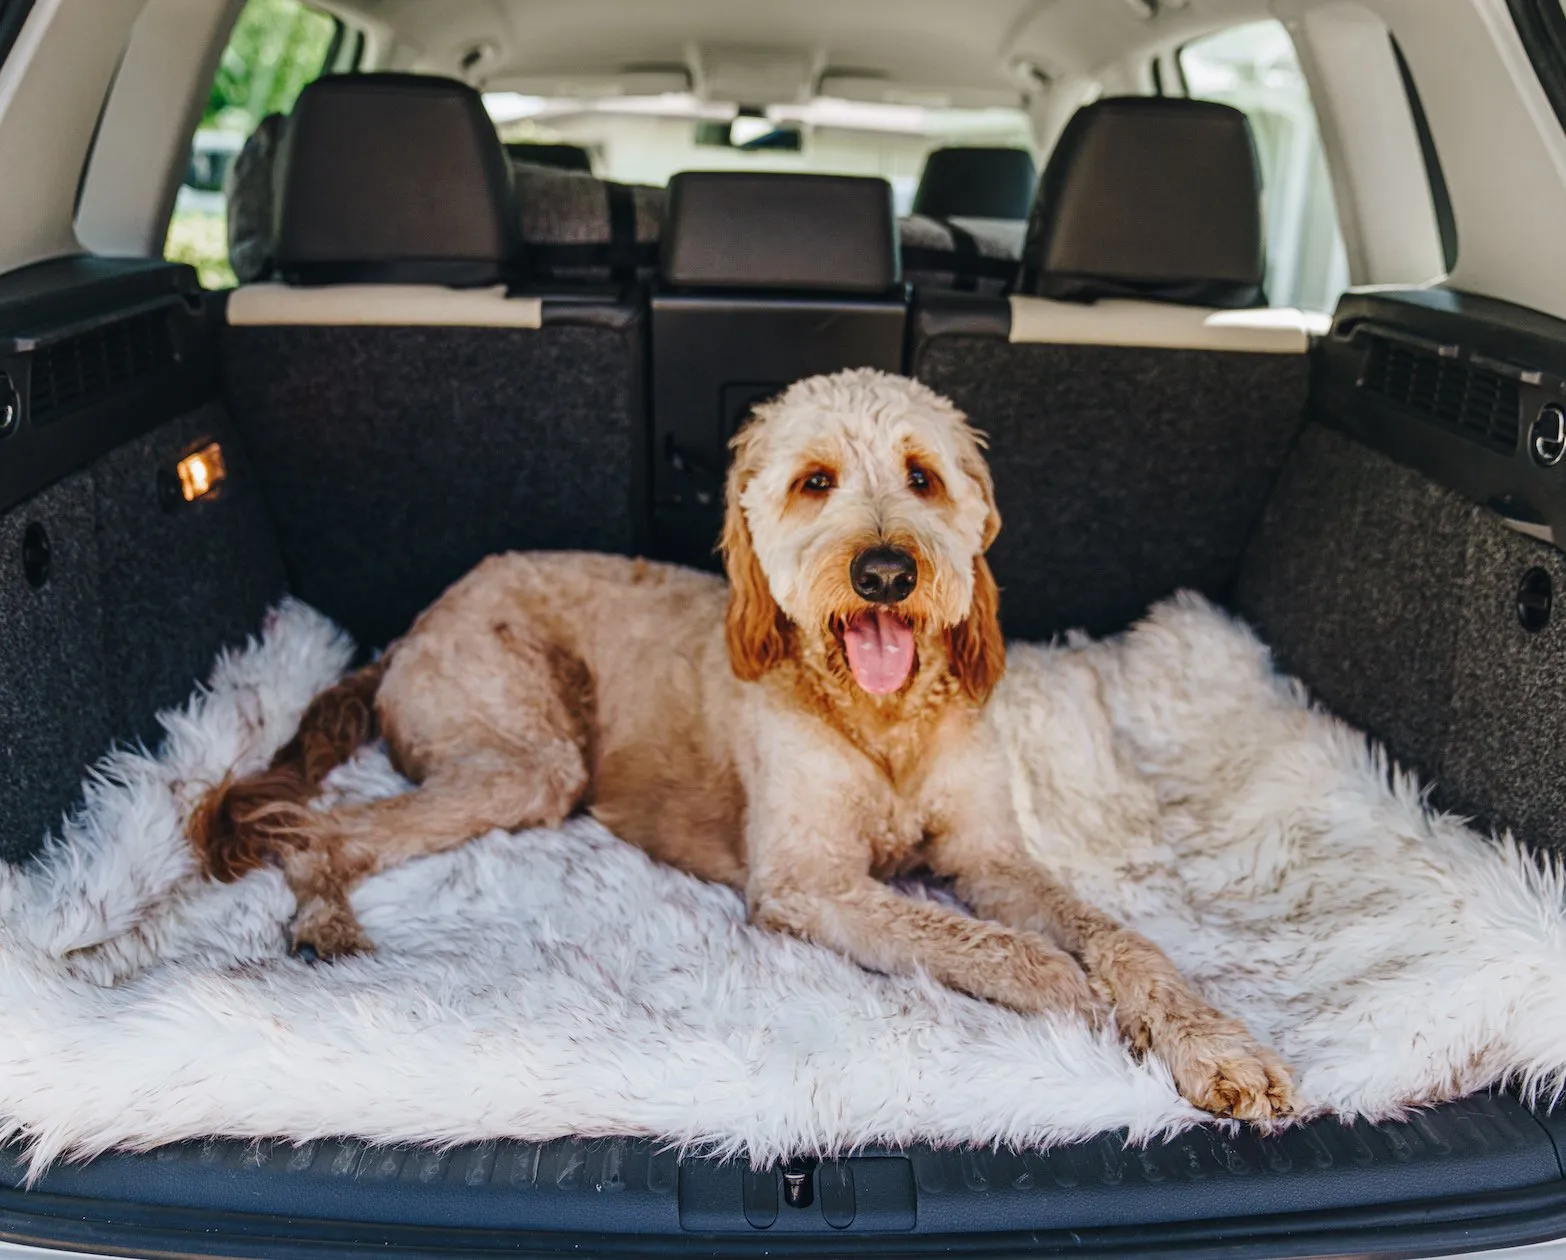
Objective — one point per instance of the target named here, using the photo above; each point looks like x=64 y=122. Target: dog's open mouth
x=880 y=649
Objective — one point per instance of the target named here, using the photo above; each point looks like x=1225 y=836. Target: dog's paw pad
x=328 y=948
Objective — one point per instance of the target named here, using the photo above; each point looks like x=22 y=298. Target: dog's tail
x=244 y=823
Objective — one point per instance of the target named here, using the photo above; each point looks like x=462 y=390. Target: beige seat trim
x=1161 y=325
x=406 y=305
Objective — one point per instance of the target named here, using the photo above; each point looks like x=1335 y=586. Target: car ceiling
x=957 y=52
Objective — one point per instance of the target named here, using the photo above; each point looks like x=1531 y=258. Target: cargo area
x=1376 y=492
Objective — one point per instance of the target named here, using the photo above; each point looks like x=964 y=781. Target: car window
x=276 y=47
x=1541 y=25
x=1254 y=68
x=646 y=139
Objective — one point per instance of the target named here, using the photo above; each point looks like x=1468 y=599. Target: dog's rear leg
x=452 y=806
x=490 y=716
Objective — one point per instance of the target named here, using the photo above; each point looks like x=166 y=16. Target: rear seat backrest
x=1136 y=428
x=763 y=279
x=408 y=414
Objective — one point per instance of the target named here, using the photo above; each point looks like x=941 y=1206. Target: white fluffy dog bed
x=544 y=984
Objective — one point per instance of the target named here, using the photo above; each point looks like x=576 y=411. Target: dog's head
x=859 y=508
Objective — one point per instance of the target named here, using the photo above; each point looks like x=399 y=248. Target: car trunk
x=1394 y=563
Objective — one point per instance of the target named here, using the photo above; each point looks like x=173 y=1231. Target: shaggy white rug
x=546 y=983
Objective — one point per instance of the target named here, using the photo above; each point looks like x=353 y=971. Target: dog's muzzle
x=883 y=575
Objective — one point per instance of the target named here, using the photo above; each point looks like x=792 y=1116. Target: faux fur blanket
x=552 y=983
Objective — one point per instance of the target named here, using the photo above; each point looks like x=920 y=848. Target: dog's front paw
x=1221 y=1068
x=1053 y=983
x=324 y=930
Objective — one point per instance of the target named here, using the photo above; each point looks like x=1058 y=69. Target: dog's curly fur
x=724 y=730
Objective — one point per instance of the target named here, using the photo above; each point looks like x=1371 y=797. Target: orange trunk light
x=201 y=472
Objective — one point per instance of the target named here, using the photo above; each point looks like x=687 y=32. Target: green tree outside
x=275 y=49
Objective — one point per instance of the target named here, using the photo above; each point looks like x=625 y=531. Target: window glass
x=1541 y=25
x=645 y=140
x=277 y=46
x=1254 y=68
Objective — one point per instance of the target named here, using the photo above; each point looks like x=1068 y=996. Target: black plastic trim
x=1479 y=1166
x=61 y=290
x=1522 y=345
x=461 y=273
x=1416 y=1228
x=52 y=302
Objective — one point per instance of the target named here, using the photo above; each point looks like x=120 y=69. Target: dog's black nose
x=884 y=575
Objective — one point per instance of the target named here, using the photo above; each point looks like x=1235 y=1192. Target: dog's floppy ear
x=753 y=628
x=979 y=473
x=975 y=647
x=992 y=521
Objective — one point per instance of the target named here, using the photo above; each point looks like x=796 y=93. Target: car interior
x=1340 y=416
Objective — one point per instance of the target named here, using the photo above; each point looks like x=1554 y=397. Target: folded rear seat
x=1139 y=398
x=409 y=410
x=763 y=279
x=579 y=229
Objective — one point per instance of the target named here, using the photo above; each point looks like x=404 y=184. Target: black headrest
x=1149 y=197
x=976 y=184
x=565 y=157
x=395 y=178
x=743 y=230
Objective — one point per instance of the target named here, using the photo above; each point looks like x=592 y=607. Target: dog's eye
x=818 y=482
x=918 y=479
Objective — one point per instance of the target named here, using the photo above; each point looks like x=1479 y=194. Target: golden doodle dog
x=801 y=733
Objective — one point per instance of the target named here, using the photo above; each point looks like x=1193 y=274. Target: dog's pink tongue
x=880 y=651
